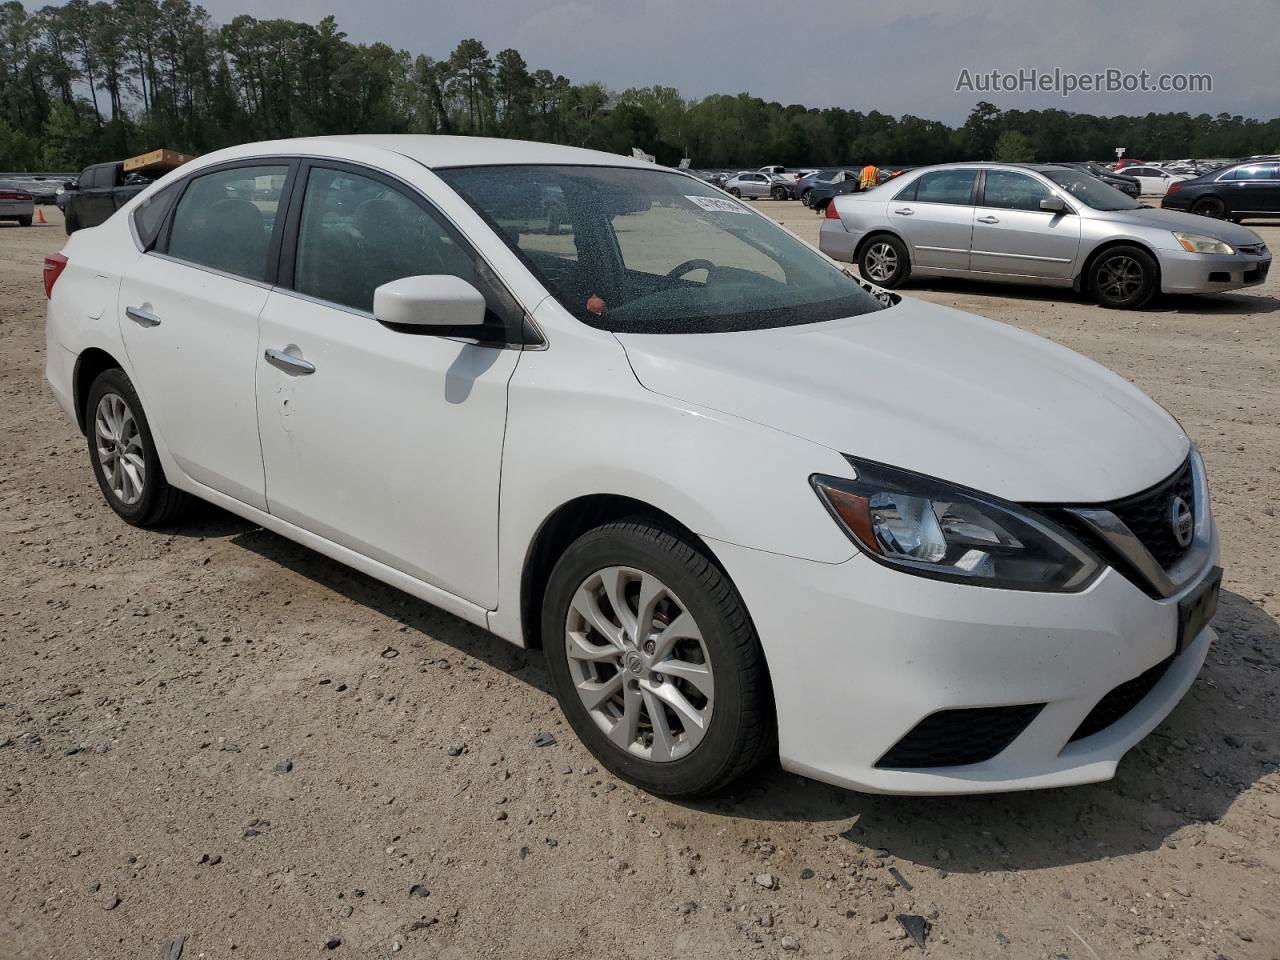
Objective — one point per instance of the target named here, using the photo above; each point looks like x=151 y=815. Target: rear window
x=225 y=220
x=647 y=251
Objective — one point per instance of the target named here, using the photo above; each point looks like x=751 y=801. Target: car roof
x=434 y=151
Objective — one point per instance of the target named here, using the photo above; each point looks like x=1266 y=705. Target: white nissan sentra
x=745 y=505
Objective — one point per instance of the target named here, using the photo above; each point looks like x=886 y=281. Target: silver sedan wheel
x=882 y=262
x=639 y=663
x=1120 y=278
x=120 y=449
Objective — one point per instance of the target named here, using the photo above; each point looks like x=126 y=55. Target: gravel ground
x=215 y=743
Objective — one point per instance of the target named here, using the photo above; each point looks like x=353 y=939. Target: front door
x=1014 y=237
x=189 y=317
x=388 y=442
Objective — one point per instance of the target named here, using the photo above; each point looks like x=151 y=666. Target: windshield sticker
x=719 y=205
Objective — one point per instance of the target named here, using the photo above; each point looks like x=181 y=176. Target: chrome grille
x=1147 y=515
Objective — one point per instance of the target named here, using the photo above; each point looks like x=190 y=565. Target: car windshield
x=649 y=251
x=1091 y=191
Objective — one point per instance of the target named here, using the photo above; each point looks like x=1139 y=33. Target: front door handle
x=289 y=363
x=988 y=219
x=905 y=211
x=142 y=316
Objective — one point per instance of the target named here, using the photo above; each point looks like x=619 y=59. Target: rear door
x=386 y=441
x=1255 y=188
x=934 y=213
x=189 y=317
x=1013 y=236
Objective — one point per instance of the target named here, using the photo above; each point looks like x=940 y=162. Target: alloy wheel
x=120 y=453
x=639 y=664
x=882 y=262
x=1120 y=278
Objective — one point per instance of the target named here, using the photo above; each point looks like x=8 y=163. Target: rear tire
x=722 y=722
x=804 y=196
x=1123 y=278
x=71 y=223
x=1210 y=207
x=735 y=192
x=24 y=221
x=884 y=261
x=778 y=193
x=123 y=454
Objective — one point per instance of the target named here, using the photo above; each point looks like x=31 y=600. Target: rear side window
x=149 y=215
x=225 y=220
x=357 y=233
x=1013 y=191
x=941 y=186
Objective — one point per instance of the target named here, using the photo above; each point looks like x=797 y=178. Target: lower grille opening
x=1219 y=276
x=1120 y=701
x=953 y=738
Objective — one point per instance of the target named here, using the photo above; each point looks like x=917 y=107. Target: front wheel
x=885 y=262
x=1123 y=278
x=123 y=454
x=24 y=221
x=655 y=662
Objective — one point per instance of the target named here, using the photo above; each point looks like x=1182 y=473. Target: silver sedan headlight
x=936 y=529
x=1195 y=243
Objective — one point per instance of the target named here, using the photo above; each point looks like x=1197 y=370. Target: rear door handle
x=988 y=219
x=142 y=316
x=289 y=363
x=905 y=211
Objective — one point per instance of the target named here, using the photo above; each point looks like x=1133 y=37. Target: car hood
x=934 y=390
x=1232 y=233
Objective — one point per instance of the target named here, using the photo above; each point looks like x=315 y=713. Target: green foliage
x=93 y=80
x=1013 y=146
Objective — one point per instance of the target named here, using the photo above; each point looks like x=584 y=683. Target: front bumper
x=859 y=654
x=1182 y=272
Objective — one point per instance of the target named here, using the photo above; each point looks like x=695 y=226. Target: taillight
x=1174 y=187
x=832 y=212
x=54 y=264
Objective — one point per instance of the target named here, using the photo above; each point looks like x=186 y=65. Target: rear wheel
x=1123 y=278
x=1210 y=207
x=804 y=195
x=123 y=454
x=778 y=193
x=71 y=222
x=734 y=191
x=24 y=221
x=884 y=261
x=654 y=660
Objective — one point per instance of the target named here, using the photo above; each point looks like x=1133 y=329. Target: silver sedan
x=15 y=203
x=1037 y=224
x=758 y=185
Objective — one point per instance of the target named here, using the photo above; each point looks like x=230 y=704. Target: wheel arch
x=89 y=364
x=563 y=526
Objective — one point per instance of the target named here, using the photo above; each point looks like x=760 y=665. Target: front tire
x=1123 y=278
x=655 y=661
x=24 y=221
x=884 y=261
x=123 y=454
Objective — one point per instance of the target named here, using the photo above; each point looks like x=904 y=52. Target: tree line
x=92 y=81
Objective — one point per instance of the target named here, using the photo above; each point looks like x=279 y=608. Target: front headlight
x=936 y=529
x=1194 y=243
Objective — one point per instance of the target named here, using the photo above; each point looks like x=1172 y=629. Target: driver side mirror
x=441 y=301
x=1053 y=205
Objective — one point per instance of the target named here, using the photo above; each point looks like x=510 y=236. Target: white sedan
x=747 y=506
x=1152 y=181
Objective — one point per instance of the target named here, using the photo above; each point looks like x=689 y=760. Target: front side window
x=647 y=251
x=357 y=233
x=225 y=220
x=941 y=186
x=1013 y=191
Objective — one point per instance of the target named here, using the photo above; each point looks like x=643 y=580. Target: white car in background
x=1153 y=181
x=746 y=506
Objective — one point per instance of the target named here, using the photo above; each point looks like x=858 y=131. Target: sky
x=891 y=55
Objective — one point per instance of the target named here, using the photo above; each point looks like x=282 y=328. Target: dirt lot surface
x=212 y=734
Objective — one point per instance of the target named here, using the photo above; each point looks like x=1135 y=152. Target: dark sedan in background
x=1129 y=186
x=1242 y=191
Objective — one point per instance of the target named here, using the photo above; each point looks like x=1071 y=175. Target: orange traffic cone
x=40 y=216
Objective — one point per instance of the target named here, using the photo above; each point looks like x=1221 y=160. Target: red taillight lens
x=1174 y=187
x=54 y=264
x=832 y=212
